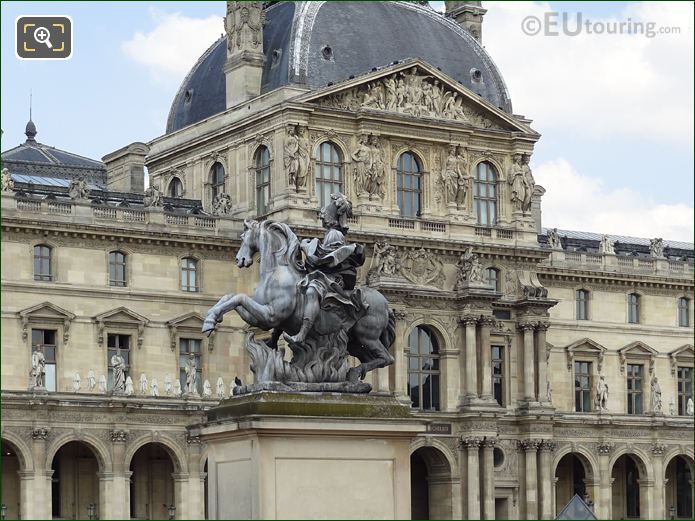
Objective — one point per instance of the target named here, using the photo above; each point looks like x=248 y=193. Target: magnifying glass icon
x=43 y=35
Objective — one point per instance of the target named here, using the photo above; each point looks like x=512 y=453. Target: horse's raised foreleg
x=378 y=357
x=215 y=313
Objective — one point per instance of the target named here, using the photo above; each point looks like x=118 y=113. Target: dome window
x=187 y=96
x=327 y=52
x=476 y=75
x=275 y=57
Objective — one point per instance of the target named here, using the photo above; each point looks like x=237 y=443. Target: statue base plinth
x=330 y=387
x=309 y=456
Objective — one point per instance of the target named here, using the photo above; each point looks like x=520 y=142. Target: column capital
x=658 y=449
x=399 y=314
x=526 y=326
x=487 y=321
x=119 y=436
x=543 y=326
x=40 y=433
x=604 y=447
x=468 y=320
x=193 y=440
x=489 y=443
x=471 y=442
x=547 y=446
x=528 y=445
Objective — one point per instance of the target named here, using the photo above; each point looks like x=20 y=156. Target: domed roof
x=316 y=43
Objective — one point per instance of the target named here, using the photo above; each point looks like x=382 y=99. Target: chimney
x=244 y=66
x=469 y=15
x=125 y=168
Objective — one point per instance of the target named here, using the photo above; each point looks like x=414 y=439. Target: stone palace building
x=545 y=363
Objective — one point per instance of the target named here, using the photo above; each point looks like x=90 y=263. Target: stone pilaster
x=114 y=487
x=529 y=448
x=546 y=448
x=36 y=504
x=659 y=489
x=489 y=478
x=526 y=329
x=472 y=477
x=399 y=369
x=471 y=364
x=485 y=357
x=603 y=504
x=542 y=360
x=195 y=503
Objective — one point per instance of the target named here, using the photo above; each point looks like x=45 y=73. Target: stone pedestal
x=309 y=456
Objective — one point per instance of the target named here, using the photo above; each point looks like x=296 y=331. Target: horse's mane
x=288 y=253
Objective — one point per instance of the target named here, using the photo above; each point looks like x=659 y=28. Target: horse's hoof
x=353 y=375
x=209 y=327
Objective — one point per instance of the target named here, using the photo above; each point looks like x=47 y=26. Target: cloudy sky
x=615 y=110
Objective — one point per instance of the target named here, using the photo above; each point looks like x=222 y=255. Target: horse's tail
x=388 y=335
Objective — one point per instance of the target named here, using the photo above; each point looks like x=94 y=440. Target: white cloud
x=603 y=85
x=577 y=202
x=173 y=45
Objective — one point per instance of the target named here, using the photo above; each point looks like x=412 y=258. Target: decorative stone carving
x=689 y=407
x=554 y=240
x=91 y=381
x=656 y=248
x=606 y=246
x=370 y=167
x=38 y=369
x=191 y=370
x=129 y=388
x=76 y=383
x=489 y=442
x=547 y=446
x=144 y=386
x=423 y=268
x=470 y=272
x=193 y=440
x=455 y=178
x=244 y=25
x=153 y=197
x=119 y=376
x=656 y=395
x=220 y=388
x=385 y=262
x=207 y=389
x=40 y=433
x=601 y=394
x=658 y=449
x=7 y=181
x=78 y=189
x=222 y=204
x=517 y=181
x=154 y=387
x=167 y=385
x=529 y=182
x=102 y=383
x=296 y=158
x=672 y=408
x=548 y=392
x=529 y=445
x=471 y=442
x=177 y=387
x=119 y=436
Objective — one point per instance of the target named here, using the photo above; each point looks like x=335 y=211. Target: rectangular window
x=115 y=344
x=42 y=263
x=117 y=269
x=633 y=305
x=582 y=386
x=683 y=312
x=582 y=304
x=634 y=388
x=46 y=339
x=685 y=389
x=186 y=347
x=498 y=374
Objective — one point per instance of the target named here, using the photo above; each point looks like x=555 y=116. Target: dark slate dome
x=315 y=43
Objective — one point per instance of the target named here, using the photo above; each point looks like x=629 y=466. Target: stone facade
x=499 y=443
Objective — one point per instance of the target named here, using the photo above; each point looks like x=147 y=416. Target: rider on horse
x=331 y=268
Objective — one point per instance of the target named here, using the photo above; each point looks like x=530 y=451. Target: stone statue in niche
x=455 y=177
x=144 y=386
x=554 y=240
x=78 y=189
x=518 y=183
x=308 y=293
x=689 y=407
x=606 y=246
x=656 y=248
x=38 y=368
x=177 y=387
x=102 y=383
x=601 y=394
x=119 y=376
x=91 y=381
x=529 y=182
x=296 y=158
x=7 y=181
x=511 y=283
x=548 y=392
x=207 y=389
x=222 y=204
x=220 y=388
x=167 y=384
x=129 y=387
x=191 y=371
x=154 y=387
x=76 y=383
x=470 y=272
x=361 y=156
x=243 y=25
x=656 y=395
x=376 y=172
x=153 y=197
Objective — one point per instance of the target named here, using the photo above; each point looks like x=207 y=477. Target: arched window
x=329 y=172
x=633 y=308
x=684 y=312
x=423 y=369
x=409 y=185
x=189 y=275
x=485 y=194
x=42 y=262
x=117 y=269
x=175 y=188
x=262 y=180
x=216 y=180
x=582 y=299
x=493 y=278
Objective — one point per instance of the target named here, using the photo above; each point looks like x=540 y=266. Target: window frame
x=683 y=305
x=500 y=378
x=263 y=185
x=586 y=392
x=53 y=348
x=44 y=261
x=581 y=307
x=175 y=181
x=185 y=275
x=681 y=394
x=435 y=374
x=332 y=167
x=183 y=356
x=635 y=396
x=634 y=316
x=413 y=176
x=217 y=186
x=485 y=201
x=114 y=282
x=110 y=351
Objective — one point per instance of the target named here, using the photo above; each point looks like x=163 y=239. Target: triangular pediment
x=121 y=315
x=189 y=320
x=415 y=88
x=683 y=353
x=637 y=348
x=47 y=311
x=586 y=345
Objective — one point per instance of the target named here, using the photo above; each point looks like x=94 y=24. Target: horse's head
x=249 y=244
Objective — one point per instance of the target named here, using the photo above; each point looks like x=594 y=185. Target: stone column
x=488 y=478
x=646 y=499
x=485 y=357
x=546 y=479
x=399 y=370
x=529 y=447
x=658 y=500
x=116 y=484
x=180 y=497
x=37 y=503
x=471 y=363
x=473 y=478
x=542 y=358
x=603 y=504
x=451 y=385
x=529 y=363
x=196 y=503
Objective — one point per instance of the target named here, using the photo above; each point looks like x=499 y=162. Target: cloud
x=574 y=201
x=173 y=45
x=599 y=85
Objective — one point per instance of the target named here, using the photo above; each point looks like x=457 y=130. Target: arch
x=23 y=452
x=439 y=450
x=324 y=160
x=640 y=458
x=217 y=178
x=630 y=495
x=678 y=491
x=178 y=456
x=499 y=168
x=153 y=489
x=486 y=196
x=175 y=187
x=342 y=147
x=437 y=327
x=685 y=453
x=583 y=454
x=410 y=184
x=101 y=452
x=431 y=483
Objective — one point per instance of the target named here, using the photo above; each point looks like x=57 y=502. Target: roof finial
x=30 y=130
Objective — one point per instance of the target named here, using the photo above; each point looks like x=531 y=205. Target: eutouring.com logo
x=554 y=23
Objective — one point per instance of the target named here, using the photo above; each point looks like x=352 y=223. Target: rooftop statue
x=307 y=294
